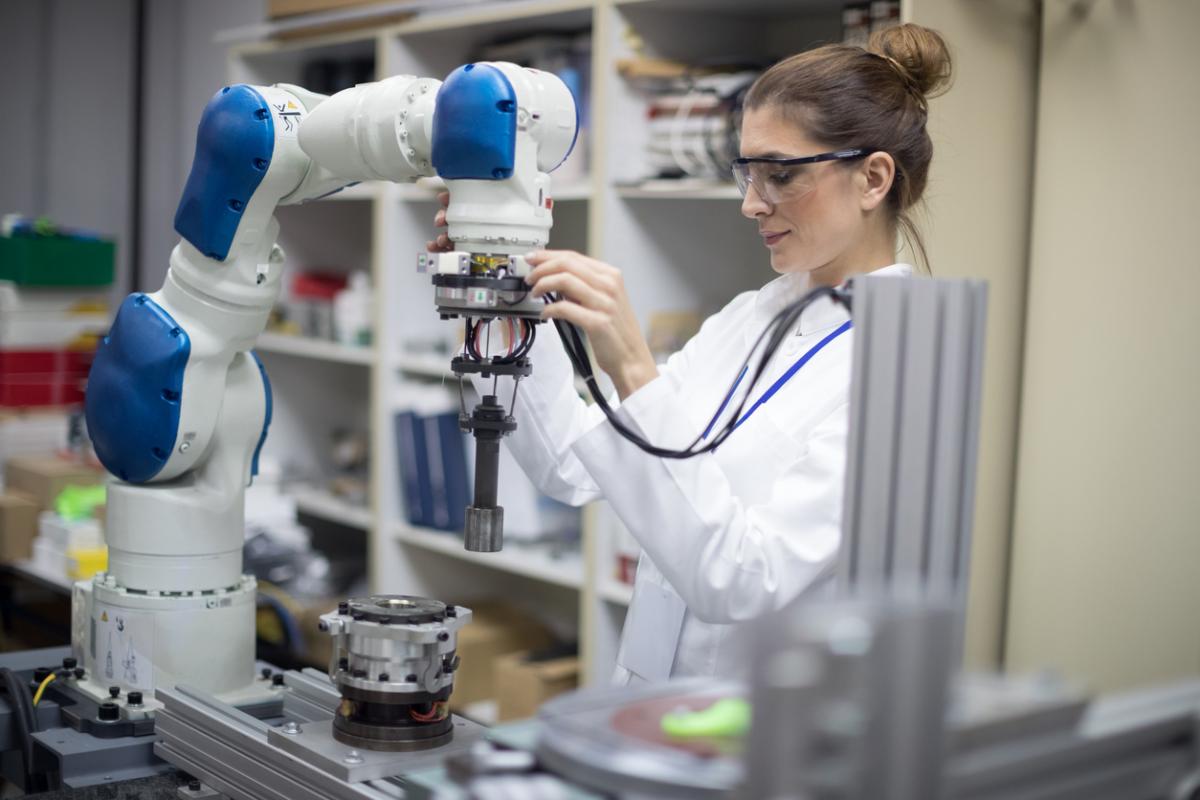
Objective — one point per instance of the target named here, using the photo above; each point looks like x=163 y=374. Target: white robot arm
x=178 y=405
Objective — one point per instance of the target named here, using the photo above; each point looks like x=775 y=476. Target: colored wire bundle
x=773 y=334
x=518 y=347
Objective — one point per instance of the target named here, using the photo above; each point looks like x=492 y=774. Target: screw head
x=70 y=663
x=114 y=692
x=353 y=757
x=134 y=698
x=277 y=679
x=79 y=673
x=443 y=636
x=290 y=728
x=194 y=785
x=323 y=626
x=266 y=673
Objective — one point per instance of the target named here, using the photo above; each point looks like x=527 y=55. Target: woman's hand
x=442 y=243
x=592 y=296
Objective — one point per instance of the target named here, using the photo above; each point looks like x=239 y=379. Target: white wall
x=1107 y=524
x=184 y=69
x=66 y=72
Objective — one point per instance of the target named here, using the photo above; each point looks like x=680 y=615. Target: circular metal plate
x=393 y=738
x=397 y=609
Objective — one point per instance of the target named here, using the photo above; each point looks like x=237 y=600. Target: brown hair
x=848 y=96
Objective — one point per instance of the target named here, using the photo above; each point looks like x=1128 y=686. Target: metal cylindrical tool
x=484 y=526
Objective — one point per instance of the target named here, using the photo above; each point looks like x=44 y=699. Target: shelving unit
x=682 y=246
x=315 y=348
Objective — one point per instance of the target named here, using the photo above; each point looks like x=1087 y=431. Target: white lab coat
x=727 y=536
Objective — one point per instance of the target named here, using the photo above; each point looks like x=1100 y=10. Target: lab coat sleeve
x=728 y=562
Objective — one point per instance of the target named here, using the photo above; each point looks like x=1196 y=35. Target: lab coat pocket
x=652 y=628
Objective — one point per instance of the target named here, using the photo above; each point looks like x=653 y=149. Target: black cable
x=778 y=328
x=26 y=715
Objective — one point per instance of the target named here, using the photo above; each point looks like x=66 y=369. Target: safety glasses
x=778 y=180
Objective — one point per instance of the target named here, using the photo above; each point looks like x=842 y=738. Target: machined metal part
x=480 y=284
x=393 y=664
x=484 y=526
x=914 y=421
x=297 y=760
x=487 y=368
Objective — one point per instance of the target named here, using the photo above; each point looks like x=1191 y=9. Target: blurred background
x=1064 y=175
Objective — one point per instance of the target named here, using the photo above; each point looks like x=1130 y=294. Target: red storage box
x=41 y=390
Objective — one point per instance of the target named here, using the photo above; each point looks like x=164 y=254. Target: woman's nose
x=753 y=205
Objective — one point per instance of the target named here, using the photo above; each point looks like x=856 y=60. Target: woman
x=834 y=155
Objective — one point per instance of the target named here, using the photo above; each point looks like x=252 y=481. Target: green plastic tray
x=52 y=261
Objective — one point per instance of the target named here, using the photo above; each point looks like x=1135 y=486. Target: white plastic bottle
x=352 y=311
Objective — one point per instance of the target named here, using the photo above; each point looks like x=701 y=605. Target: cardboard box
x=495 y=630
x=18 y=526
x=44 y=477
x=523 y=684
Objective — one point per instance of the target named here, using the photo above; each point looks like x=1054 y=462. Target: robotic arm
x=178 y=405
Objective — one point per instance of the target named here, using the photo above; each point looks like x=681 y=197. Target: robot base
x=140 y=642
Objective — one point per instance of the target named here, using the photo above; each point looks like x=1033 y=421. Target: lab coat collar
x=820 y=316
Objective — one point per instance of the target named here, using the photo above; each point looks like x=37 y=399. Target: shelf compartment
x=527 y=561
x=322 y=503
x=314 y=348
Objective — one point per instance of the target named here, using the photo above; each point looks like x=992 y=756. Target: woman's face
x=820 y=216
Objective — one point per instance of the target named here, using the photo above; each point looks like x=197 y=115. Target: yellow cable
x=49 y=680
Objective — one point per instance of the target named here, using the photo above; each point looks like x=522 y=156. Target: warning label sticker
x=124 y=643
x=290 y=116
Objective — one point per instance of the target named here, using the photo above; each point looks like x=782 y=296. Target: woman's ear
x=878 y=171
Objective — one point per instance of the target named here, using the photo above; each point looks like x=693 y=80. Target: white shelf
x=314 y=348
x=426 y=366
x=499 y=15
x=614 y=591
x=530 y=561
x=324 y=504
x=681 y=189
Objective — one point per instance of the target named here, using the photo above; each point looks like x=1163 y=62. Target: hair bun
x=918 y=52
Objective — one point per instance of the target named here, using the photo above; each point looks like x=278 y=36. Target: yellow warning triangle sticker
x=104 y=617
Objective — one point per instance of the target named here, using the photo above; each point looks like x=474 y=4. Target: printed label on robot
x=290 y=114
x=124 y=642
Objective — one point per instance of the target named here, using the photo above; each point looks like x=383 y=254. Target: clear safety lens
x=775 y=183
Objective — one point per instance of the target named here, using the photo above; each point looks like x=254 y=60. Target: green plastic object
x=726 y=718
x=55 y=261
x=76 y=503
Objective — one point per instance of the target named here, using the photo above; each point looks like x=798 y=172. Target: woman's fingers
x=575 y=289
x=439 y=245
x=439 y=219
x=550 y=262
x=443 y=199
x=576 y=314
